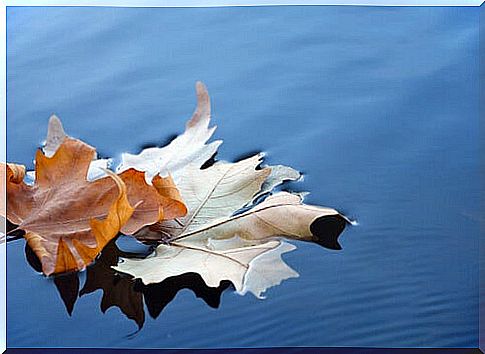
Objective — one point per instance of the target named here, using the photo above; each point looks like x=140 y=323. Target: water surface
x=377 y=106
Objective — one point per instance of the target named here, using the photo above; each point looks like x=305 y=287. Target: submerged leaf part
x=278 y=175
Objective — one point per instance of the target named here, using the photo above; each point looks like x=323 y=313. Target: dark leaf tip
x=327 y=229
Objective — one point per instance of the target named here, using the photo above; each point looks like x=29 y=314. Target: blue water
x=377 y=106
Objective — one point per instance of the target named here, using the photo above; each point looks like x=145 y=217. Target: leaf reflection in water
x=120 y=290
x=157 y=296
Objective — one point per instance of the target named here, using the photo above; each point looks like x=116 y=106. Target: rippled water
x=377 y=106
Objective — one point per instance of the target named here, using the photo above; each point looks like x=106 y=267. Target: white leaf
x=278 y=175
x=213 y=239
x=241 y=248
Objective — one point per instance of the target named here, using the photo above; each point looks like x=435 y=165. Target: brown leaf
x=67 y=219
x=10 y=173
x=161 y=201
x=165 y=186
x=150 y=206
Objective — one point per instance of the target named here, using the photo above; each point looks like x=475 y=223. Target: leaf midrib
x=210 y=226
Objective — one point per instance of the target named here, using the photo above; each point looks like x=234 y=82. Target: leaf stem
x=179 y=222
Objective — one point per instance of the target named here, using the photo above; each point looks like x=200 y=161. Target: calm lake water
x=377 y=106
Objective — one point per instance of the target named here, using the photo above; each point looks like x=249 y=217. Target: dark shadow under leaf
x=118 y=290
x=158 y=296
x=67 y=284
x=68 y=287
x=32 y=259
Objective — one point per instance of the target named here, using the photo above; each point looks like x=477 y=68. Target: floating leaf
x=228 y=232
x=251 y=260
x=152 y=203
x=67 y=220
x=231 y=228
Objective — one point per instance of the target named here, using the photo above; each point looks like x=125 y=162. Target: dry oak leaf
x=218 y=192
x=67 y=220
x=228 y=232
